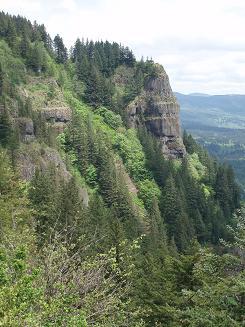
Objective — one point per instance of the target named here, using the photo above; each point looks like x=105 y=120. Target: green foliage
x=197 y=169
x=72 y=259
x=148 y=191
x=112 y=120
x=91 y=176
x=130 y=150
x=60 y=50
x=13 y=201
x=218 y=299
x=12 y=67
x=37 y=59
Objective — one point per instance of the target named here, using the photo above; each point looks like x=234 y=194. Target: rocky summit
x=157 y=108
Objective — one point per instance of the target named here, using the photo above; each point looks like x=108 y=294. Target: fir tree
x=1 y=80
x=5 y=126
x=25 y=47
x=11 y=36
x=60 y=50
x=94 y=88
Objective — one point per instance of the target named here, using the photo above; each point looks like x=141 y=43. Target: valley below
x=217 y=123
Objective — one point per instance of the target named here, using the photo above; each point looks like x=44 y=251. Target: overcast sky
x=201 y=43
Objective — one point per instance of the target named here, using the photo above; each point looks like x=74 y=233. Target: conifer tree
x=94 y=88
x=77 y=51
x=156 y=238
x=44 y=195
x=1 y=80
x=60 y=50
x=5 y=126
x=11 y=36
x=25 y=47
x=222 y=191
x=170 y=205
x=37 y=59
x=70 y=208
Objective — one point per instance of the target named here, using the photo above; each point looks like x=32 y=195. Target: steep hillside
x=106 y=213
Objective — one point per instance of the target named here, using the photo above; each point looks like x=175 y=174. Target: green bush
x=110 y=118
x=148 y=191
x=130 y=150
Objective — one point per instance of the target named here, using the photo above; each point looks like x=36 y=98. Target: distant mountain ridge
x=230 y=103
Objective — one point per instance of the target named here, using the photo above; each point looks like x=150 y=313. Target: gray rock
x=33 y=156
x=58 y=117
x=26 y=128
x=157 y=108
x=57 y=114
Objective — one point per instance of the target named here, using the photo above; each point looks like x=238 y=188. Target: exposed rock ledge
x=33 y=156
x=57 y=116
x=157 y=108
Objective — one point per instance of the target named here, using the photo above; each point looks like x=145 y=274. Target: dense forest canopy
x=97 y=227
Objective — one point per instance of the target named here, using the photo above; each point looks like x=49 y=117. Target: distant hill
x=218 y=123
x=223 y=111
x=230 y=103
x=199 y=94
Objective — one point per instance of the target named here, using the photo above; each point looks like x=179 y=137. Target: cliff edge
x=157 y=109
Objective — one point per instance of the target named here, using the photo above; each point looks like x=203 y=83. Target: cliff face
x=157 y=108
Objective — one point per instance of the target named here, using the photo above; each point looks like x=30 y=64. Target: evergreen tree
x=156 y=238
x=70 y=209
x=36 y=35
x=77 y=51
x=37 y=59
x=44 y=195
x=173 y=210
x=82 y=67
x=11 y=36
x=25 y=47
x=1 y=80
x=6 y=129
x=106 y=175
x=222 y=191
x=60 y=50
x=94 y=88
x=170 y=205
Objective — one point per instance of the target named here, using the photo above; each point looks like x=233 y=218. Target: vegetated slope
x=97 y=227
x=218 y=123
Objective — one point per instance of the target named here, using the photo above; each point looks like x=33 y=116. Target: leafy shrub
x=197 y=169
x=110 y=118
x=130 y=150
x=148 y=191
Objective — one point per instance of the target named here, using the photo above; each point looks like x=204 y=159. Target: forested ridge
x=97 y=227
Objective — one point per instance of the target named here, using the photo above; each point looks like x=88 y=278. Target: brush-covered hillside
x=108 y=217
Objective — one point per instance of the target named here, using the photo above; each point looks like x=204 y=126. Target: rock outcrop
x=57 y=114
x=26 y=128
x=34 y=156
x=58 y=117
x=157 y=108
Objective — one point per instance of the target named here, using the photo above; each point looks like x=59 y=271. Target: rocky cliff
x=157 y=108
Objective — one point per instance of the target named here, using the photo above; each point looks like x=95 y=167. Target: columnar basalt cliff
x=157 y=108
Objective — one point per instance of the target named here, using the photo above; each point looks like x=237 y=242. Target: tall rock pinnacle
x=157 y=108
